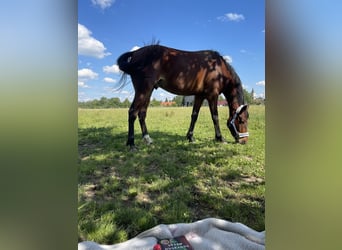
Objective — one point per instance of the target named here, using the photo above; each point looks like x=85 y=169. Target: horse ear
x=241 y=108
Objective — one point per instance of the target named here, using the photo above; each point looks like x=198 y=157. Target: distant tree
x=178 y=100
x=252 y=94
x=113 y=103
x=259 y=101
x=248 y=97
x=102 y=102
x=126 y=103
x=154 y=103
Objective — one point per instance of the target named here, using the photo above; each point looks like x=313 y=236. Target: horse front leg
x=214 y=116
x=194 y=115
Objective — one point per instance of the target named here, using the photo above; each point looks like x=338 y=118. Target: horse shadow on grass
x=170 y=181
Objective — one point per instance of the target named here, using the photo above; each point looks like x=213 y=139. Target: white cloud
x=88 y=45
x=261 y=83
x=81 y=96
x=86 y=74
x=82 y=85
x=161 y=95
x=231 y=17
x=110 y=80
x=235 y=17
x=112 y=69
x=135 y=48
x=103 y=3
x=228 y=59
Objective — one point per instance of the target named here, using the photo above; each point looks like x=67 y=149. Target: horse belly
x=182 y=88
x=184 y=84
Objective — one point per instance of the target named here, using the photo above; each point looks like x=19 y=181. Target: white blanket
x=205 y=234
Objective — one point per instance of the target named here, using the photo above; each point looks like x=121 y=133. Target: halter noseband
x=232 y=126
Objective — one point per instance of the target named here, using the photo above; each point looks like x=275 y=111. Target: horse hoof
x=220 y=139
x=147 y=139
x=133 y=148
x=190 y=139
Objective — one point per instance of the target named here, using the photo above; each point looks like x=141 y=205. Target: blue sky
x=108 y=28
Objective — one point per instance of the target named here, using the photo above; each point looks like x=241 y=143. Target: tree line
x=177 y=101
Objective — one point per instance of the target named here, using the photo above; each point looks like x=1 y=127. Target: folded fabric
x=205 y=234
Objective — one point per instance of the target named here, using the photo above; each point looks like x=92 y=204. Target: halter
x=232 y=126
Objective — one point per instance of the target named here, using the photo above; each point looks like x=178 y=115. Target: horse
x=204 y=74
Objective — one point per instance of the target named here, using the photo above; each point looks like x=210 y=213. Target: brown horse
x=204 y=74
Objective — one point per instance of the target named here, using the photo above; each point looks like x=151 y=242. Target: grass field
x=122 y=193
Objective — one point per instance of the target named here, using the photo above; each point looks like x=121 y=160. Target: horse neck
x=233 y=89
x=234 y=99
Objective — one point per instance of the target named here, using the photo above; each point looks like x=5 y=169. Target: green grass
x=123 y=193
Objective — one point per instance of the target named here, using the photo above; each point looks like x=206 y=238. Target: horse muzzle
x=242 y=140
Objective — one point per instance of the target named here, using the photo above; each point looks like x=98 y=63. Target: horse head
x=237 y=124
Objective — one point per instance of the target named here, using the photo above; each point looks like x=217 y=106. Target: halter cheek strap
x=238 y=110
x=232 y=126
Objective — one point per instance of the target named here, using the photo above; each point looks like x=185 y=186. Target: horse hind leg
x=138 y=108
x=215 y=118
x=146 y=137
x=132 y=116
x=195 y=110
x=144 y=101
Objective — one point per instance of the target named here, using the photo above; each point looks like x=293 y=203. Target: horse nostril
x=243 y=141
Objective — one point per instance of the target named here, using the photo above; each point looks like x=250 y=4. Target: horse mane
x=235 y=81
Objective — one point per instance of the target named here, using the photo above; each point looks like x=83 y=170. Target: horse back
x=191 y=72
x=178 y=71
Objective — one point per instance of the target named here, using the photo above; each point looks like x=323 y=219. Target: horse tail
x=126 y=67
x=124 y=62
